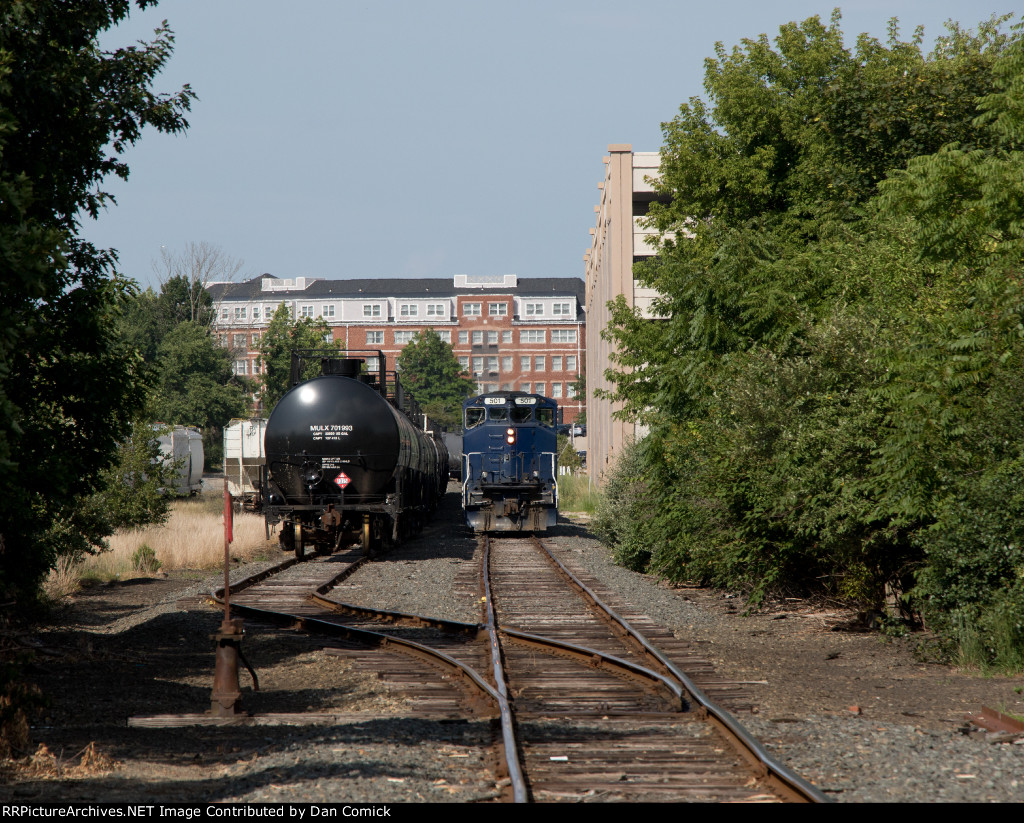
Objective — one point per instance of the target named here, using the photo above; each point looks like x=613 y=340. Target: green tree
x=282 y=337
x=839 y=366
x=195 y=385
x=433 y=376
x=131 y=495
x=69 y=387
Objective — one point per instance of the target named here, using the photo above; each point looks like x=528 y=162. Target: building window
x=240 y=341
x=556 y=389
x=255 y=312
x=492 y=338
x=490 y=387
x=223 y=340
x=533 y=336
x=506 y=364
x=524 y=387
x=478 y=365
x=538 y=362
x=306 y=311
x=556 y=364
x=463 y=338
x=561 y=309
x=372 y=364
x=497 y=309
x=445 y=335
x=506 y=387
x=506 y=337
x=471 y=309
x=534 y=310
x=225 y=314
x=570 y=390
x=570 y=363
x=525 y=362
x=255 y=340
x=437 y=310
x=464 y=363
x=403 y=337
x=538 y=388
x=241 y=367
x=407 y=310
x=371 y=309
x=478 y=338
x=563 y=335
x=375 y=338
x=240 y=313
x=329 y=336
x=328 y=310
x=492 y=365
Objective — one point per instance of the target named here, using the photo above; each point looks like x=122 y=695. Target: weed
x=575 y=494
x=144 y=560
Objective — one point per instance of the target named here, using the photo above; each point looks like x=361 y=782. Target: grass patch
x=576 y=494
x=192 y=538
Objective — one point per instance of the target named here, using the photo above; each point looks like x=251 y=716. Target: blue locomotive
x=509 y=462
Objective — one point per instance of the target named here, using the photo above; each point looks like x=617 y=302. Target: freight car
x=509 y=462
x=244 y=460
x=181 y=451
x=349 y=458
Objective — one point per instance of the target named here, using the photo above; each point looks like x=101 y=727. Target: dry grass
x=192 y=538
x=62 y=580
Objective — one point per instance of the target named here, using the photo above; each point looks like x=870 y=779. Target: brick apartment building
x=508 y=332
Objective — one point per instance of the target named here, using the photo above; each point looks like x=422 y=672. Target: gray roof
x=397 y=287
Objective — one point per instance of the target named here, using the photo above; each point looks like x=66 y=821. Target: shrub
x=144 y=560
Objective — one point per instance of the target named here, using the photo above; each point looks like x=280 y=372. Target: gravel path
x=856 y=714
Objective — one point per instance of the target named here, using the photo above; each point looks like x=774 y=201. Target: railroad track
x=588 y=707
x=597 y=710
x=422 y=666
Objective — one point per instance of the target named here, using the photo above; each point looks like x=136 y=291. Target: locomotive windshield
x=546 y=416
x=497 y=413
x=522 y=414
x=474 y=417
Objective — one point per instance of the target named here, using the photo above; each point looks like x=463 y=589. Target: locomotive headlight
x=510 y=436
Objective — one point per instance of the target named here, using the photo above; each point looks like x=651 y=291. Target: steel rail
x=765 y=766
x=511 y=747
x=369 y=638
x=601 y=660
x=320 y=598
x=253 y=579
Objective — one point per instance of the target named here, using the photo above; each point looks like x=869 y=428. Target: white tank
x=182 y=448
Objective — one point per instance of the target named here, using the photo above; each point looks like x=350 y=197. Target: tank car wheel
x=286 y=537
x=366 y=539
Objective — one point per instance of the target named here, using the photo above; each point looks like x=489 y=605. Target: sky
x=401 y=138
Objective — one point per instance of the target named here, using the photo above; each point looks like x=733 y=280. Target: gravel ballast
x=853 y=712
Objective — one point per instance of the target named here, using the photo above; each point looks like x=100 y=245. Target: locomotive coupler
x=227 y=695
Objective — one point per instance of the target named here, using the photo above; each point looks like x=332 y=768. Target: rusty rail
x=765 y=766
